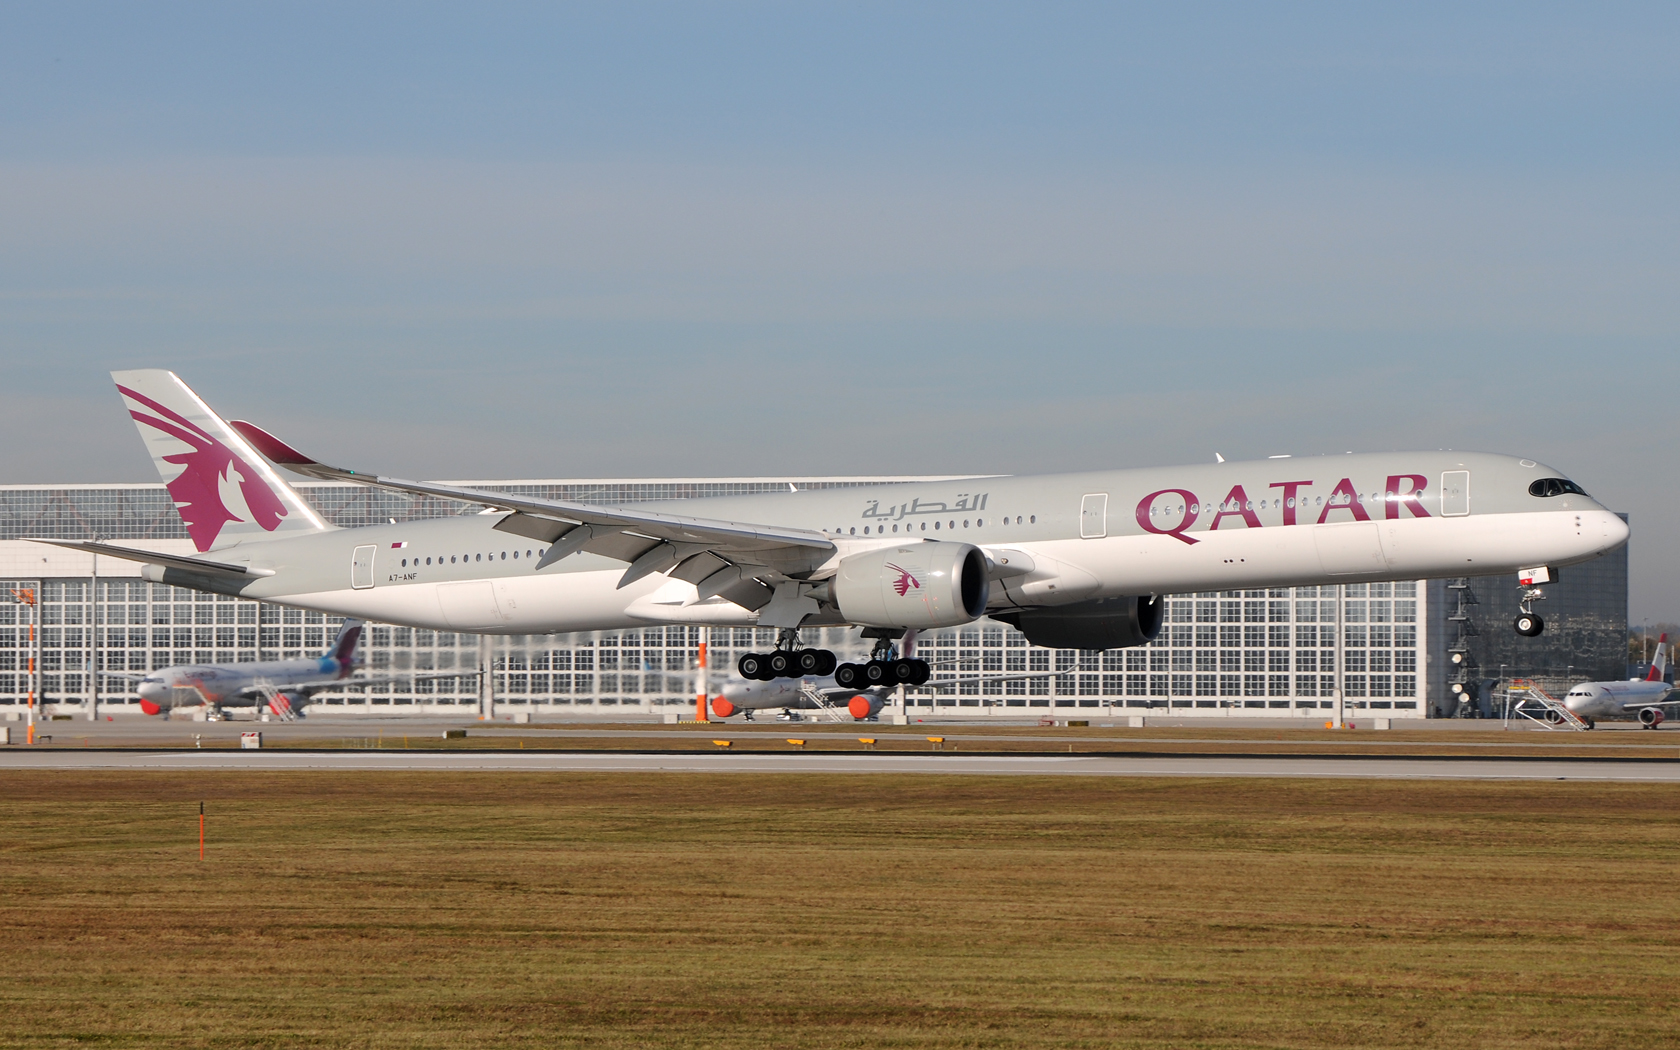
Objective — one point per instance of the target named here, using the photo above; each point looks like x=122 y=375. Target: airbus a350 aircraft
x=1076 y=561
x=1641 y=698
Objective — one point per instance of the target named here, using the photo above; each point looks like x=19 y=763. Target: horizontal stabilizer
x=173 y=561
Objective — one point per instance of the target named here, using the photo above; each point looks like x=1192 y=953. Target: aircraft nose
x=1615 y=529
x=150 y=689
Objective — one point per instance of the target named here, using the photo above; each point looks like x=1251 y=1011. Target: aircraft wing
x=951 y=683
x=202 y=566
x=129 y=676
x=718 y=557
x=1667 y=701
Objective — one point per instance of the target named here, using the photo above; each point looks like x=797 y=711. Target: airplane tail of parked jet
x=224 y=490
x=1659 y=661
x=344 y=646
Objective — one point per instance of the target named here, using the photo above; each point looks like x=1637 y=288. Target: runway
x=1360 y=767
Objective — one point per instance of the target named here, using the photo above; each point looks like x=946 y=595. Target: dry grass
x=445 y=910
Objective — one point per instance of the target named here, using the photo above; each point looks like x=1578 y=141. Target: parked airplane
x=1641 y=698
x=1074 y=560
x=284 y=686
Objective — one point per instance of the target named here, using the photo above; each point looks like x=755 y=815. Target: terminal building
x=1394 y=649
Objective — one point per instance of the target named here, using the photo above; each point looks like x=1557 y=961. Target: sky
x=744 y=239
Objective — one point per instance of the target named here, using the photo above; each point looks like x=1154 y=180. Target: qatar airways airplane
x=1076 y=561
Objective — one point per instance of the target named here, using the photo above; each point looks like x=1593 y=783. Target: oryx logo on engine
x=905 y=582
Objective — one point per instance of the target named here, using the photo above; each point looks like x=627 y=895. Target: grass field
x=441 y=910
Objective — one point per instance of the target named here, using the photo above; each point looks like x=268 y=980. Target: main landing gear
x=787 y=661
x=882 y=672
x=884 y=667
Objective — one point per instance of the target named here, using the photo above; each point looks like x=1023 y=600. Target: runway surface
x=1477 y=768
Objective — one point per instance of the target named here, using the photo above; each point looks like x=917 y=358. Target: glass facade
x=1231 y=652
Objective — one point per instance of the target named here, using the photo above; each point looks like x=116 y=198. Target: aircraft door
x=361 y=567
x=1455 y=493
x=1093 y=516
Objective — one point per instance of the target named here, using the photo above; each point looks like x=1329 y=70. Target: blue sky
x=546 y=241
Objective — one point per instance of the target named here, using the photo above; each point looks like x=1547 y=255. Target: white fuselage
x=1131 y=532
x=1609 y=701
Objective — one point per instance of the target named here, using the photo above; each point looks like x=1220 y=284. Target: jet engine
x=864 y=705
x=920 y=585
x=1103 y=623
x=721 y=707
x=1651 y=717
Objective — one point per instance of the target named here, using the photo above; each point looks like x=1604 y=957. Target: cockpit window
x=1555 y=487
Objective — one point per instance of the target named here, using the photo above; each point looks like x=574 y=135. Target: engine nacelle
x=920 y=585
x=865 y=705
x=1651 y=716
x=721 y=707
x=1103 y=623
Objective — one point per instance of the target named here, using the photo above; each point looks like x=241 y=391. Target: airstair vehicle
x=814 y=695
x=1554 y=713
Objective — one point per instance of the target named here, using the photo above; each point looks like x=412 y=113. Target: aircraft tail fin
x=223 y=489
x=1659 y=661
x=344 y=646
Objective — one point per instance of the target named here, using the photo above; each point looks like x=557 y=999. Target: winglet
x=278 y=452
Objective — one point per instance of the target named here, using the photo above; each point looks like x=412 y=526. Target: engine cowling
x=721 y=707
x=920 y=585
x=1103 y=623
x=1651 y=716
x=864 y=705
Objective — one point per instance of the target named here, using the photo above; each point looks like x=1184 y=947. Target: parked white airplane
x=284 y=686
x=1641 y=698
x=1074 y=560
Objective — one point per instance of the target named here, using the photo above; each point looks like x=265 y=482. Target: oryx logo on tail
x=223 y=489
x=905 y=582
x=197 y=490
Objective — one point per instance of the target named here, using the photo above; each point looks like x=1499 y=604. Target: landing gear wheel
x=1590 y=723
x=781 y=664
x=905 y=671
x=879 y=672
x=921 y=672
x=808 y=661
x=753 y=667
x=1529 y=625
x=825 y=663
x=849 y=676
